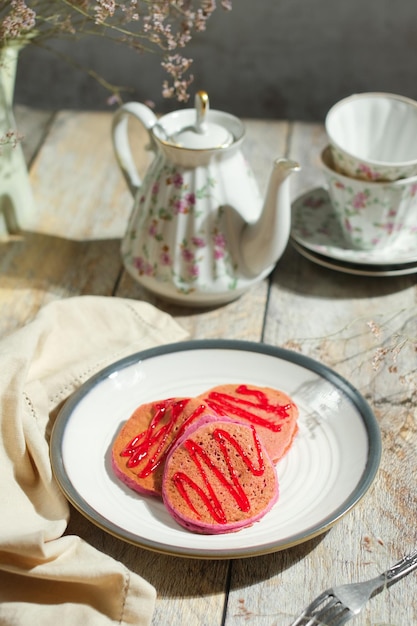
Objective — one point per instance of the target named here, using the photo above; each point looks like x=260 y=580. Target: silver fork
x=342 y=603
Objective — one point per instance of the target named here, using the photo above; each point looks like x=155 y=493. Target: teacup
x=373 y=136
x=372 y=215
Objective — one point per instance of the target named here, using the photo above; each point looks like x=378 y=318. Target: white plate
x=356 y=268
x=315 y=227
x=330 y=466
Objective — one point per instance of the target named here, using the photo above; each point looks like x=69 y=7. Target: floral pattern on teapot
x=201 y=255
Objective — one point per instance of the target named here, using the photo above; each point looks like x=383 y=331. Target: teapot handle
x=121 y=142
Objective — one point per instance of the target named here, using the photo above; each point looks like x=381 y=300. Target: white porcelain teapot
x=199 y=232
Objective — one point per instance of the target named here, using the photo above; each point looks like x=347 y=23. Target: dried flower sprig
x=395 y=335
x=390 y=345
x=163 y=27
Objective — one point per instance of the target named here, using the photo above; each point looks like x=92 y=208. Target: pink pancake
x=271 y=411
x=140 y=448
x=218 y=477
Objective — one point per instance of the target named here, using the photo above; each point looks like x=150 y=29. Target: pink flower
x=389 y=227
x=413 y=189
x=194 y=270
x=198 y=242
x=180 y=206
x=369 y=173
x=219 y=240
x=155 y=188
x=142 y=266
x=359 y=201
x=187 y=254
x=177 y=180
x=339 y=185
x=153 y=228
x=218 y=253
x=190 y=198
x=166 y=258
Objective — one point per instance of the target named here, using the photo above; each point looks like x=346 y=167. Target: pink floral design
x=183 y=205
x=178 y=180
x=219 y=240
x=190 y=198
x=206 y=244
x=359 y=200
x=369 y=173
x=180 y=206
x=153 y=228
x=389 y=227
x=198 y=242
x=165 y=256
x=143 y=266
x=187 y=254
x=194 y=270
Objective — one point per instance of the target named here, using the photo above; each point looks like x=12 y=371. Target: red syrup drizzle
x=200 y=458
x=155 y=437
x=225 y=404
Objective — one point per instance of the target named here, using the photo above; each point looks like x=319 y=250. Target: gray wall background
x=264 y=59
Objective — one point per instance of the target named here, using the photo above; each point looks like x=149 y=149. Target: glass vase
x=16 y=198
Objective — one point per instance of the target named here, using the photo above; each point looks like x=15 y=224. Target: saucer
x=359 y=269
x=315 y=227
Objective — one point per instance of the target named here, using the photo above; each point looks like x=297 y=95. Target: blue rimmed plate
x=329 y=468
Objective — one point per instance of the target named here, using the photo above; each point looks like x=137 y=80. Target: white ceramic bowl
x=373 y=136
x=372 y=215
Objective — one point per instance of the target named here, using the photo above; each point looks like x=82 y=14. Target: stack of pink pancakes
x=211 y=457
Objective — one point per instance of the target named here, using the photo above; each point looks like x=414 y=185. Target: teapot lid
x=202 y=134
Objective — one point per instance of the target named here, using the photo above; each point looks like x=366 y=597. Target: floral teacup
x=372 y=215
x=372 y=136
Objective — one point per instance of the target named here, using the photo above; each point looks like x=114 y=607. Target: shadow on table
x=298 y=274
x=184 y=577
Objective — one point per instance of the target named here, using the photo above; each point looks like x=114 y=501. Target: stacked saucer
x=317 y=235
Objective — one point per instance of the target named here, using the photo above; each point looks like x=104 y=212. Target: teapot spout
x=263 y=242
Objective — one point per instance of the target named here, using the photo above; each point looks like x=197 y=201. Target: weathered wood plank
x=82 y=206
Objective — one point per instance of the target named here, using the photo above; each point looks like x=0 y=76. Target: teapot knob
x=201 y=103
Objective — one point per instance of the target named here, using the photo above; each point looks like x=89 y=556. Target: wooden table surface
x=82 y=206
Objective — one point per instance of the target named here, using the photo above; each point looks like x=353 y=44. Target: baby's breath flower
x=104 y=9
x=157 y=26
x=379 y=356
x=18 y=22
x=375 y=328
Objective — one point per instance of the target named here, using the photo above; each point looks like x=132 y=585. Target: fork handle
x=400 y=569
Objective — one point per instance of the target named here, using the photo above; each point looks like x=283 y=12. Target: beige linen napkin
x=47 y=578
